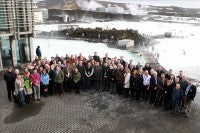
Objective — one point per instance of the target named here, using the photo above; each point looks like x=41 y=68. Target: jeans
x=22 y=97
x=36 y=92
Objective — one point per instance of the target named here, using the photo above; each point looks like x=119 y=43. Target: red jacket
x=35 y=78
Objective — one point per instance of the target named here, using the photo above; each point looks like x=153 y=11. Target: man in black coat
x=147 y=67
x=81 y=69
x=10 y=77
x=154 y=86
x=106 y=72
x=189 y=96
x=96 y=57
x=167 y=95
x=160 y=71
x=97 y=76
x=106 y=58
x=38 y=52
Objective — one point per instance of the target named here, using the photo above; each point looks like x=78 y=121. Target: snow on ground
x=149 y=28
x=172 y=55
x=51 y=47
x=145 y=27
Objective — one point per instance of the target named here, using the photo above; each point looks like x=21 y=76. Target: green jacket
x=27 y=83
x=58 y=78
x=76 y=77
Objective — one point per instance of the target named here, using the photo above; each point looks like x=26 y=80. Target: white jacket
x=127 y=80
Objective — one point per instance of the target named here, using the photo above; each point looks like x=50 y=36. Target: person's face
x=19 y=77
x=89 y=65
x=10 y=70
x=190 y=82
x=57 y=68
x=76 y=70
x=135 y=72
x=146 y=72
x=168 y=83
x=177 y=80
x=97 y=64
x=170 y=71
x=35 y=71
x=44 y=72
x=181 y=72
x=183 y=78
x=162 y=76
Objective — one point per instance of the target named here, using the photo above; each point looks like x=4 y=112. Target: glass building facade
x=16 y=32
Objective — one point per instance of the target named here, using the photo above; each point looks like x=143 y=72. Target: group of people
x=113 y=75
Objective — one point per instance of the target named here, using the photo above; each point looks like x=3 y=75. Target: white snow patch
x=51 y=47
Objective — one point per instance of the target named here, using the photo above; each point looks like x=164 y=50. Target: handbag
x=46 y=90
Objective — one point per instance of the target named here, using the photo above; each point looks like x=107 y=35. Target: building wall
x=17 y=18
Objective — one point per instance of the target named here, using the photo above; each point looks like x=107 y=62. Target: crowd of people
x=77 y=74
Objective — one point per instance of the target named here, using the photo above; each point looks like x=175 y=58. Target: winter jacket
x=119 y=77
x=192 y=93
x=44 y=79
x=28 y=85
x=10 y=77
x=98 y=73
x=19 y=86
x=89 y=71
x=58 y=78
x=176 y=96
x=35 y=78
x=76 y=77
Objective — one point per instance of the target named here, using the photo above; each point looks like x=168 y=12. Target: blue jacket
x=44 y=79
x=176 y=96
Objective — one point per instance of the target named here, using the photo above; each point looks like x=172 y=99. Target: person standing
x=44 y=82
x=167 y=94
x=76 y=77
x=189 y=96
x=154 y=86
x=176 y=98
x=96 y=57
x=28 y=87
x=97 y=76
x=19 y=89
x=58 y=79
x=146 y=83
x=106 y=71
x=89 y=71
x=112 y=79
x=9 y=78
x=38 y=52
x=35 y=79
x=119 y=78
x=134 y=85
x=127 y=76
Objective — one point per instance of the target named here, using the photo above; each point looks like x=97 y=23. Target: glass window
x=23 y=49
x=6 y=52
x=3 y=17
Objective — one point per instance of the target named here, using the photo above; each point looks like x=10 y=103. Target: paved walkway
x=92 y=112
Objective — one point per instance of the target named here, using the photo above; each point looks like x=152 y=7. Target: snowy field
x=51 y=47
x=170 y=50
